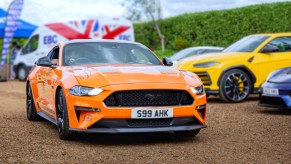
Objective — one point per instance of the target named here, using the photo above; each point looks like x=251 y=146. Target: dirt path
x=236 y=133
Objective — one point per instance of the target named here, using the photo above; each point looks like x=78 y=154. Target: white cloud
x=176 y=7
x=45 y=11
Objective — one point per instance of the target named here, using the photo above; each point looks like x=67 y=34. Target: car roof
x=206 y=47
x=98 y=41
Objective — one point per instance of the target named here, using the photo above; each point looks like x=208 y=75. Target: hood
x=212 y=57
x=280 y=76
x=99 y=76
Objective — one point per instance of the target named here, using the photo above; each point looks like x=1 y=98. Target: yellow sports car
x=241 y=68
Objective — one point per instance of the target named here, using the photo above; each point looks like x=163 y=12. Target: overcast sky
x=46 y=11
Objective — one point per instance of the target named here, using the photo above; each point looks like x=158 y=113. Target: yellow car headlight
x=205 y=65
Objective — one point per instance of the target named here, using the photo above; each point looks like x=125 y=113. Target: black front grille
x=276 y=101
x=205 y=78
x=132 y=98
x=285 y=92
x=149 y=122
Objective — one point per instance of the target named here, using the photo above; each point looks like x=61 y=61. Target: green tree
x=145 y=10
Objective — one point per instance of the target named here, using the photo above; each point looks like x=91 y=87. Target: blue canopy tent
x=24 y=29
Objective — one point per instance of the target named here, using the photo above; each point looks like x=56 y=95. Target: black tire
x=235 y=86
x=30 y=107
x=62 y=118
x=22 y=72
x=187 y=134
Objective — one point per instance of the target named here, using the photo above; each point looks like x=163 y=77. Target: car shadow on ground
x=132 y=139
x=125 y=138
x=273 y=111
x=216 y=99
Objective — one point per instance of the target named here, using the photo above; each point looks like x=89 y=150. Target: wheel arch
x=18 y=66
x=16 y=70
x=242 y=68
x=56 y=98
x=27 y=83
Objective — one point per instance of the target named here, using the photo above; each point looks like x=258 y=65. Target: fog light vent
x=88 y=109
x=202 y=110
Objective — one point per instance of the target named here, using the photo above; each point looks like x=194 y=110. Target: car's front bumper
x=143 y=125
x=86 y=120
x=282 y=100
x=211 y=92
x=140 y=130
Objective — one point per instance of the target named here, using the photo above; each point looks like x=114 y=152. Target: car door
x=40 y=86
x=280 y=57
x=50 y=81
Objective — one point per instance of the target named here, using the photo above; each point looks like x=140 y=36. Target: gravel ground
x=236 y=133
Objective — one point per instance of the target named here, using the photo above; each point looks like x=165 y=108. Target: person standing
x=14 y=52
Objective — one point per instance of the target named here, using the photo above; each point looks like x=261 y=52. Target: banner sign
x=13 y=14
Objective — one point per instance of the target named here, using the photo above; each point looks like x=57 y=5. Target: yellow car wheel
x=235 y=86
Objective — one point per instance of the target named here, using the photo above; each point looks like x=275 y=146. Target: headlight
x=280 y=77
x=85 y=91
x=205 y=65
x=272 y=74
x=198 y=90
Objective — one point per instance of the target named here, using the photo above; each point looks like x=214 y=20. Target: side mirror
x=167 y=61
x=269 y=48
x=44 y=61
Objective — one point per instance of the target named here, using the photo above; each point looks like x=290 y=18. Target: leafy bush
x=216 y=28
x=180 y=43
x=167 y=53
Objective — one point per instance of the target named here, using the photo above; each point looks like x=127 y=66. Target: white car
x=194 y=51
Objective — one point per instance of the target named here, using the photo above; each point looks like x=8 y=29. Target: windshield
x=185 y=53
x=246 y=44
x=107 y=53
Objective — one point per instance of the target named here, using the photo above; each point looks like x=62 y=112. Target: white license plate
x=270 y=91
x=140 y=113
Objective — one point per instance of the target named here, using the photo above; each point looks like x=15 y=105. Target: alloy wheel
x=237 y=86
x=28 y=101
x=60 y=107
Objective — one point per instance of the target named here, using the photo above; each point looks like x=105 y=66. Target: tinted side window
x=283 y=44
x=198 y=52
x=211 y=51
x=31 y=46
x=53 y=55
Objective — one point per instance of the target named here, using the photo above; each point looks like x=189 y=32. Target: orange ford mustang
x=113 y=87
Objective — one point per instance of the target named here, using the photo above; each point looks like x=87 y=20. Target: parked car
x=46 y=36
x=276 y=91
x=193 y=51
x=241 y=68
x=113 y=87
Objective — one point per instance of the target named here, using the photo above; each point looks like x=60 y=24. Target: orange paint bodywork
x=46 y=82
